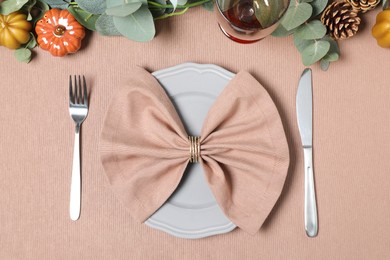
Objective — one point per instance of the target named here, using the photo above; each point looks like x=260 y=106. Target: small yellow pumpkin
x=14 y=30
x=381 y=29
x=59 y=32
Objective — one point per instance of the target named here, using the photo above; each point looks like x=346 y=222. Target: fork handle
x=75 y=188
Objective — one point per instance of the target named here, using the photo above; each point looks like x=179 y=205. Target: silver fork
x=78 y=110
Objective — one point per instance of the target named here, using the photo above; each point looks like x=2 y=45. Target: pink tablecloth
x=351 y=150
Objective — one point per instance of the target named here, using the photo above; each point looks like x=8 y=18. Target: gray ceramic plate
x=192 y=212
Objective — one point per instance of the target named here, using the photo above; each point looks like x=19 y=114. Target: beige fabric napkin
x=244 y=153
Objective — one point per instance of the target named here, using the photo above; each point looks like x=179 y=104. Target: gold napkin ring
x=194 y=148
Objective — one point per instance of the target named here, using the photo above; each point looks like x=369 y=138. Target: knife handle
x=311 y=220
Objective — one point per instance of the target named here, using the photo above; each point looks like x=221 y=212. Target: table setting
x=172 y=130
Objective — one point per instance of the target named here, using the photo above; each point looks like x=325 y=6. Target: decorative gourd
x=14 y=30
x=59 y=32
x=381 y=29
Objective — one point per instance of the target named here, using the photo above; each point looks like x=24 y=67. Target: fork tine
x=74 y=89
x=85 y=92
x=71 y=97
x=80 y=88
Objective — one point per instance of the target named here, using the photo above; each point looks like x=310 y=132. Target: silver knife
x=305 y=123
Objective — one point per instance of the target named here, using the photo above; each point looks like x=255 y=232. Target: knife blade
x=304 y=106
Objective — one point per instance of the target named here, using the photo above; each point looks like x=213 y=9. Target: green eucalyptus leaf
x=168 y=10
x=41 y=8
x=318 y=6
x=28 y=7
x=334 y=51
x=92 y=6
x=138 y=26
x=281 y=31
x=60 y=4
x=156 y=11
x=55 y=2
x=324 y=64
x=331 y=56
x=385 y=4
x=209 y=6
x=122 y=8
x=85 y=18
x=296 y=14
x=312 y=30
x=23 y=55
x=183 y=2
x=314 y=52
x=42 y=5
x=301 y=44
x=334 y=47
x=10 y=6
x=269 y=12
x=32 y=43
x=105 y=26
x=305 y=1
x=174 y=3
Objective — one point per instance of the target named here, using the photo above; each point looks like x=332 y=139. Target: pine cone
x=341 y=20
x=363 y=5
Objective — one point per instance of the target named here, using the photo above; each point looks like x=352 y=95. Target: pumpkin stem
x=59 y=30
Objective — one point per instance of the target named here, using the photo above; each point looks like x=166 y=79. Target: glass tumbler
x=248 y=21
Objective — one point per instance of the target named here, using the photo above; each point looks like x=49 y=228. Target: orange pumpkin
x=59 y=32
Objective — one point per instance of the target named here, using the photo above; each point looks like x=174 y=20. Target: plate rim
x=190 y=66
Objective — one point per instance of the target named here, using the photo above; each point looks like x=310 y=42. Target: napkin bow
x=242 y=148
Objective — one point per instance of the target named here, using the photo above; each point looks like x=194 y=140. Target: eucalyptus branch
x=172 y=14
x=189 y=5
